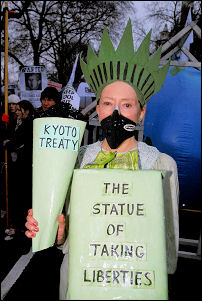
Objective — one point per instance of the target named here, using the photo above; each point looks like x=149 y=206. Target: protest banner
x=56 y=142
x=69 y=94
x=55 y=85
x=117 y=247
x=72 y=76
x=86 y=94
x=33 y=80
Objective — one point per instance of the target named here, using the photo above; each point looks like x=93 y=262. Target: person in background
x=123 y=82
x=9 y=120
x=49 y=97
x=7 y=129
x=51 y=106
x=12 y=103
x=20 y=168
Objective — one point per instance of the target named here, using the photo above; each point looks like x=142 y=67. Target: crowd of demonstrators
x=7 y=129
x=19 y=147
x=18 y=140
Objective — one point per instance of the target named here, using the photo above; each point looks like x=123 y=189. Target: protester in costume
x=123 y=82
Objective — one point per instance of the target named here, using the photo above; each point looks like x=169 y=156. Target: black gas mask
x=117 y=129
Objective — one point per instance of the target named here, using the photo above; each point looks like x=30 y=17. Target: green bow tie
x=104 y=159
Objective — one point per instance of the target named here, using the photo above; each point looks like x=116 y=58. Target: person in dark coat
x=20 y=167
x=51 y=106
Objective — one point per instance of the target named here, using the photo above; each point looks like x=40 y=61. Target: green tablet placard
x=56 y=142
x=117 y=246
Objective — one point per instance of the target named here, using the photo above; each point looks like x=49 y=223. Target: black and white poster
x=33 y=80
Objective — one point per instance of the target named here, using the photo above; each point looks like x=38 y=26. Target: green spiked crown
x=136 y=69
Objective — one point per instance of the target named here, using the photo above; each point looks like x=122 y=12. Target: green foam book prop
x=56 y=142
x=117 y=246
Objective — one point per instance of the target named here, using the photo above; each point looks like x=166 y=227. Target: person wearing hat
x=11 y=118
x=123 y=82
x=12 y=102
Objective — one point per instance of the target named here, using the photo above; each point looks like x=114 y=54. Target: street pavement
x=26 y=275
x=37 y=273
